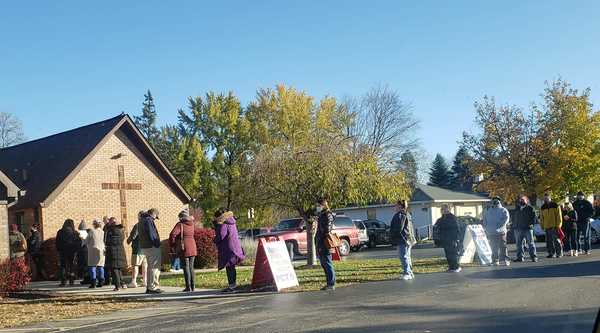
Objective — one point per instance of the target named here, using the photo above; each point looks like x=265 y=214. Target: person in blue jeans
x=524 y=218
x=402 y=234
x=585 y=210
x=325 y=221
x=175 y=263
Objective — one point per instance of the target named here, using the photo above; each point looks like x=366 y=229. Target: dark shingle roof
x=432 y=193
x=39 y=166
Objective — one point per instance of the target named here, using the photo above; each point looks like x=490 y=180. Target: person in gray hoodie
x=495 y=221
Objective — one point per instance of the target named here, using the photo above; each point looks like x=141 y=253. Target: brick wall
x=4 y=249
x=84 y=198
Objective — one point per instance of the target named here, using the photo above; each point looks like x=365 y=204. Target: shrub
x=14 y=275
x=250 y=246
x=50 y=259
x=207 y=251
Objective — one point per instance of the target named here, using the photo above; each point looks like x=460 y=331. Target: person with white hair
x=95 y=254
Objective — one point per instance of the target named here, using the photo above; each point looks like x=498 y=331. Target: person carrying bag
x=183 y=245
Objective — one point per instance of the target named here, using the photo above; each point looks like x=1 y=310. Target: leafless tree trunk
x=383 y=124
x=11 y=130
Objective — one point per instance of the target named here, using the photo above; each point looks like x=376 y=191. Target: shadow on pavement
x=471 y=321
x=579 y=269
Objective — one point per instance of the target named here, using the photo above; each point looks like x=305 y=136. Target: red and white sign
x=273 y=266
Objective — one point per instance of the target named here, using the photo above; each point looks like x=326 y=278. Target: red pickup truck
x=293 y=232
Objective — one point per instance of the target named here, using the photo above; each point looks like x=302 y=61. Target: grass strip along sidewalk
x=347 y=272
x=30 y=308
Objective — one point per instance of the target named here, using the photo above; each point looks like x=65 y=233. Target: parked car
x=363 y=235
x=379 y=233
x=293 y=233
x=252 y=233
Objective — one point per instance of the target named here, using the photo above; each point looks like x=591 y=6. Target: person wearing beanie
x=585 y=211
x=183 y=245
x=495 y=222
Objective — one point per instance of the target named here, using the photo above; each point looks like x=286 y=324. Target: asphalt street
x=553 y=295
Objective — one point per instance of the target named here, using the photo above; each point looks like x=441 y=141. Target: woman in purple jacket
x=228 y=245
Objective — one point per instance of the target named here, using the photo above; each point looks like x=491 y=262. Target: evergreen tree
x=439 y=174
x=408 y=165
x=147 y=121
x=462 y=176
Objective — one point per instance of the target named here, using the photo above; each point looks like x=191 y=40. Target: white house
x=424 y=207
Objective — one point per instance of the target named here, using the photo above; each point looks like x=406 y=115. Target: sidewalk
x=169 y=293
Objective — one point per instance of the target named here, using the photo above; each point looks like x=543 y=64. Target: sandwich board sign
x=476 y=240
x=273 y=266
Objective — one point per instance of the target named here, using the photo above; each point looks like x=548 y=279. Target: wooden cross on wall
x=122 y=186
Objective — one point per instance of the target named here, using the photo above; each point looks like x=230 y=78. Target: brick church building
x=102 y=169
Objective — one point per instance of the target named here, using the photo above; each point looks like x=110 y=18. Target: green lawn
x=347 y=272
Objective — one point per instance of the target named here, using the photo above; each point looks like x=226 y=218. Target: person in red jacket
x=183 y=244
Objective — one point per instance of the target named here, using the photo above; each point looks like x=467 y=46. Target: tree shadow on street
x=578 y=269
x=436 y=319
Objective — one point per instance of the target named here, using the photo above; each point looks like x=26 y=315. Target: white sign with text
x=281 y=266
x=476 y=241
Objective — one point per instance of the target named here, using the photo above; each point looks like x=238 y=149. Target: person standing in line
x=95 y=254
x=17 y=243
x=585 y=211
x=67 y=245
x=82 y=264
x=34 y=245
x=449 y=238
x=551 y=221
x=138 y=259
x=183 y=244
x=524 y=219
x=570 y=229
x=495 y=222
x=115 y=252
x=402 y=234
x=325 y=223
x=228 y=246
x=150 y=247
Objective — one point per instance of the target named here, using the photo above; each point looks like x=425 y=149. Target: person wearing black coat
x=116 y=258
x=449 y=238
x=67 y=245
x=523 y=219
x=585 y=210
x=34 y=244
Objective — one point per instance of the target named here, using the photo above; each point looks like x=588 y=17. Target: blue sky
x=64 y=64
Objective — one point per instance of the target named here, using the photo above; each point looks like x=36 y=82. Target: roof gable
x=433 y=193
x=42 y=167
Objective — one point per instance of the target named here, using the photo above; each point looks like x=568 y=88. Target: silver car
x=363 y=236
